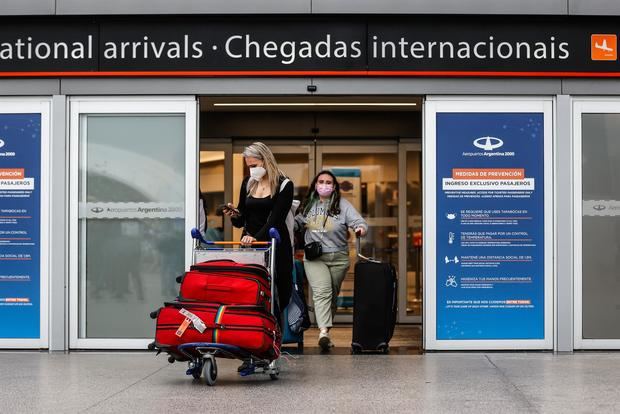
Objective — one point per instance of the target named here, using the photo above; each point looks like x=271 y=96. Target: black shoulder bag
x=314 y=250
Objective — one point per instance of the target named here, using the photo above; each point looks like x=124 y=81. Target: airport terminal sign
x=20 y=179
x=309 y=46
x=490 y=226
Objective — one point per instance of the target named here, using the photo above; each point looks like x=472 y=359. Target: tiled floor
x=407 y=339
x=33 y=382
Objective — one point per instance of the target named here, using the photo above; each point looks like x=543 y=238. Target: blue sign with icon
x=20 y=222
x=490 y=226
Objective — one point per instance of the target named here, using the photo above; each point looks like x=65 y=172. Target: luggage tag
x=198 y=323
x=183 y=327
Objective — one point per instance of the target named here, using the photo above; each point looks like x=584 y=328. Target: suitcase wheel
x=356 y=349
x=210 y=371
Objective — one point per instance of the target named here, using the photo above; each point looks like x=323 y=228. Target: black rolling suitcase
x=374 y=305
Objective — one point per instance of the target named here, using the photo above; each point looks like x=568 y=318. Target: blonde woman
x=264 y=203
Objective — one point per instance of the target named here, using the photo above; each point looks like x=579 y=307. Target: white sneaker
x=324 y=342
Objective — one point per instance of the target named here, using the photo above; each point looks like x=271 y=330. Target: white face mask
x=256 y=173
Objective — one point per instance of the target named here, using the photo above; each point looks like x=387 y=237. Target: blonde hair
x=262 y=152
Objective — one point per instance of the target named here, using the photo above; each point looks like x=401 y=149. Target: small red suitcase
x=251 y=328
x=227 y=283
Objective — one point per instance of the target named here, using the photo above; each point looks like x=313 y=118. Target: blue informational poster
x=20 y=181
x=490 y=226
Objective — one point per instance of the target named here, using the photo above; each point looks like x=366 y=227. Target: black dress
x=257 y=216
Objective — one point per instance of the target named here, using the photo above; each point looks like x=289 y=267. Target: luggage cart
x=202 y=355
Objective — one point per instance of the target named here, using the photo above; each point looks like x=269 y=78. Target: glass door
x=133 y=201
x=368 y=176
x=410 y=237
x=597 y=224
x=373 y=177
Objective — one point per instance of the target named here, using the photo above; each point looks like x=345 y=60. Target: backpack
x=290 y=217
x=296 y=312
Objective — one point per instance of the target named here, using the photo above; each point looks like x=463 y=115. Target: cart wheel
x=210 y=371
x=197 y=370
x=274 y=369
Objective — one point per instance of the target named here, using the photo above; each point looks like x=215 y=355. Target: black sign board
x=321 y=46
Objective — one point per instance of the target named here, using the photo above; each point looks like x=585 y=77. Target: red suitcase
x=251 y=328
x=227 y=283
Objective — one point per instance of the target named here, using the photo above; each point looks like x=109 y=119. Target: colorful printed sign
x=490 y=226
x=20 y=180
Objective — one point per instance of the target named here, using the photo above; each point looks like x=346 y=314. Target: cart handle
x=275 y=235
x=198 y=236
x=237 y=243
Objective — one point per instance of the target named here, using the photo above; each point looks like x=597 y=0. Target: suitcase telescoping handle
x=358 y=239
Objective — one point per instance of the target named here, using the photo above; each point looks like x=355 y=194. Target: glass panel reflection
x=414 y=233
x=212 y=191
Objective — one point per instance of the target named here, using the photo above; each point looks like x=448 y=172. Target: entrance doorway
x=374 y=150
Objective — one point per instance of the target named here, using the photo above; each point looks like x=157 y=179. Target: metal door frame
x=185 y=105
x=579 y=107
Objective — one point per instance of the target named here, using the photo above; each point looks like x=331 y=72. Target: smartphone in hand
x=228 y=209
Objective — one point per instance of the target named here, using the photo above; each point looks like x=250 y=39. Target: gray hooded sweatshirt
x=333 y=236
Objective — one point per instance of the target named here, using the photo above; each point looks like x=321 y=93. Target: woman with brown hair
x=327 y=218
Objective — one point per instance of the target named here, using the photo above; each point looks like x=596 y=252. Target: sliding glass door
x=597 y=224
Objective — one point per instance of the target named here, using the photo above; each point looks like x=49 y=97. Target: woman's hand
x=360 y=231
x=247 y=240
x=230 y=210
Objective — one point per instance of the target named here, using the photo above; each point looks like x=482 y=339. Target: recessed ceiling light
x=238 y=104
